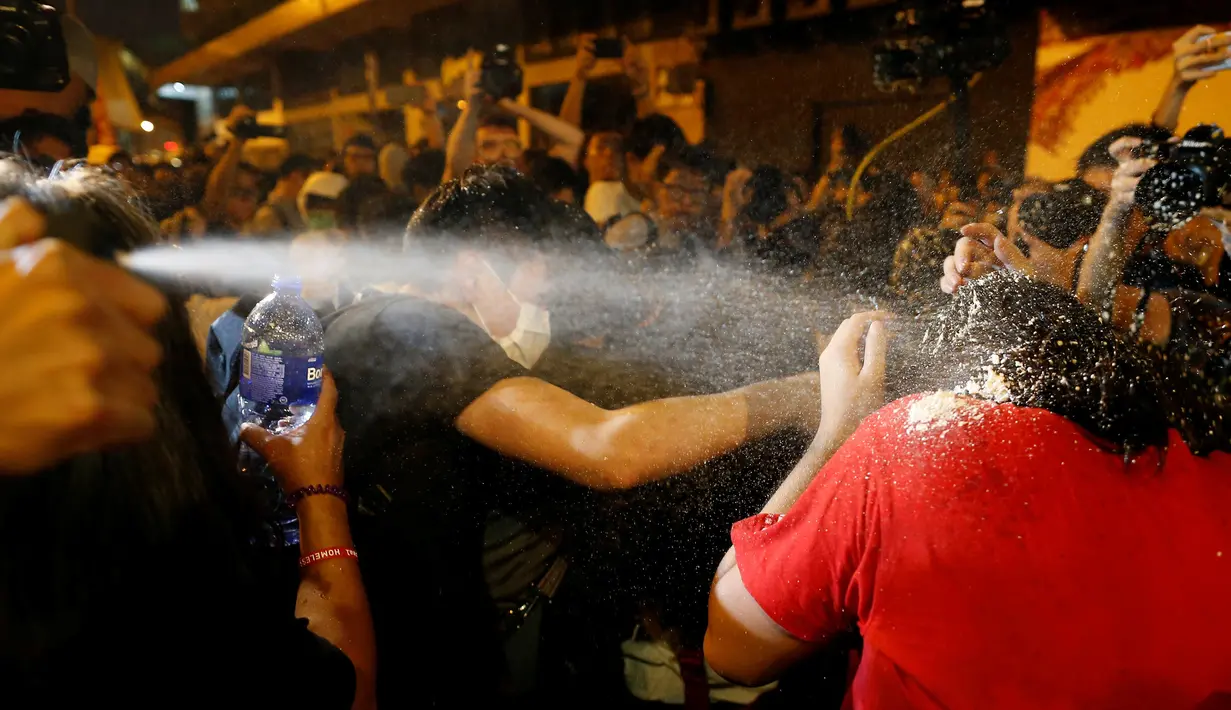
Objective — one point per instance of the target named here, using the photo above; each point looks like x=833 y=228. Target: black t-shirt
x=209 y=647
x=405 y=369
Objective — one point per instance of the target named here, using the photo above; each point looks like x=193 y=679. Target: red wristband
x=329 y=553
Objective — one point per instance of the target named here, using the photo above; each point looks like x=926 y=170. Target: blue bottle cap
x=288 y=283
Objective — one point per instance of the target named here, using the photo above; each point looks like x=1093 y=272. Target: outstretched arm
x=743 y=643
x=460 y=152
x=1200 y=48
x=567 y=136
x=570 y=109
x=528 y=419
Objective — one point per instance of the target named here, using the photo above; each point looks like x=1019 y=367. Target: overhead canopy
x=294 y=24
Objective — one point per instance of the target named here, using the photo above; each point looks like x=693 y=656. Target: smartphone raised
x=1223 y=65
x=608 y=48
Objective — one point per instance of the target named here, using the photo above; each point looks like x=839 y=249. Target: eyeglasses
x=508 y=149
x=678 y=192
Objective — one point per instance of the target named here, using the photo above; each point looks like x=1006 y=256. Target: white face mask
x=525 y=345
x=530 y=337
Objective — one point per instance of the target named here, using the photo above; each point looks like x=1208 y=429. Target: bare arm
x=460 y=152
x=531 y=420
x=569 y=138
x=734 y=200
x=1109 y=252
x=430 y=126
x=221 y=179
x=742 y=642
x=570 y=110
x=331 y=594
x=1191 y=57
x=1167 y=114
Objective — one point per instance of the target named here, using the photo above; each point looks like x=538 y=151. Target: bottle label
x=278 y=379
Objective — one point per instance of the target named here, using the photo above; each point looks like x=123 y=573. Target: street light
x=147 y=126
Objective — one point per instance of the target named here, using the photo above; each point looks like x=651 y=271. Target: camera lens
x=1170 y=194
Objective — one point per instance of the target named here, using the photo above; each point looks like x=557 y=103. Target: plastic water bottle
x=283 y=359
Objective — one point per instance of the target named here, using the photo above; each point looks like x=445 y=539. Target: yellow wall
x=1125 y=97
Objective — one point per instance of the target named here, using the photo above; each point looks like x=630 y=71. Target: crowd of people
x=591 y=403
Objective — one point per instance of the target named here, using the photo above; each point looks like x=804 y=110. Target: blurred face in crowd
x=358 y=160
x=565 y=194
x=605 y=157
x=243 y=199
x=682 y=197
x=498 y=144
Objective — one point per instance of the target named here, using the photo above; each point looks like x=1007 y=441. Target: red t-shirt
x=995 y=556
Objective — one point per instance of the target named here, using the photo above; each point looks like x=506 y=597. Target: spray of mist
x=712 y=325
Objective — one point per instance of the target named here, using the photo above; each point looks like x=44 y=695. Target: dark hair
x=689 y=158
x=361 y=140
x=1098 y=153
x=492 y=119
x=768 y=187
x=1064 y=214
x=791 y=249
x=425 y=168
x=369 y=207
x=551 y=173
x=298 y=163
x=654 y=130
x=498 y=203
x=618 y=136
x=1008 y=338
x=150 y=512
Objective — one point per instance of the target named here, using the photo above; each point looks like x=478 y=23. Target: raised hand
x=1198 y=50
x=78 y=346
x=851 y=387
x=310 y=455
x=586 y=60
x=974 y=256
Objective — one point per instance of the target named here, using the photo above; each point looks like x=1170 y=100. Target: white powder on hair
x=994 y=387
x=934 y=411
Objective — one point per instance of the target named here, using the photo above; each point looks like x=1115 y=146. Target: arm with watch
x=308 y=465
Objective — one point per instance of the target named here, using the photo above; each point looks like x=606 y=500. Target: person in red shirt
x=1042 y=540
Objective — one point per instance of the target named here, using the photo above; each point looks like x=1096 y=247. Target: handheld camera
x=33 y=53
x=1192 y=174
x=500 y=76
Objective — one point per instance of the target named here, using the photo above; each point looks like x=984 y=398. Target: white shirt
x=607 y=199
